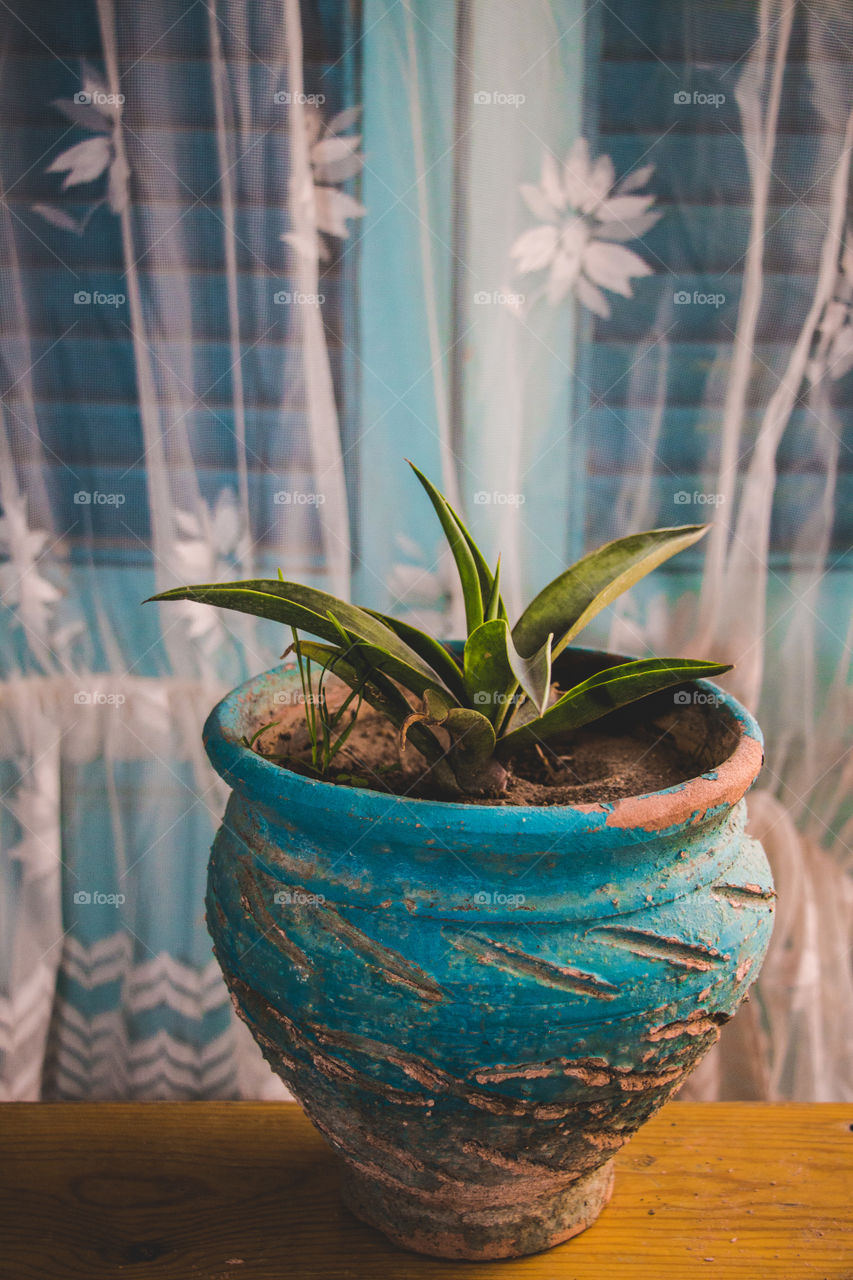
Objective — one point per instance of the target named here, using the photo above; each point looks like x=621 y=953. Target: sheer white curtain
x=498 y=270
x=175 y=175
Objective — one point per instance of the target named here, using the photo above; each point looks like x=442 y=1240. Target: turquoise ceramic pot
x=478 y=1005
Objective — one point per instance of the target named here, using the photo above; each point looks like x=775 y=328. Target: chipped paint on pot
x=477 y=1005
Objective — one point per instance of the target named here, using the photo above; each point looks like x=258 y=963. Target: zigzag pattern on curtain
x=96 y=1056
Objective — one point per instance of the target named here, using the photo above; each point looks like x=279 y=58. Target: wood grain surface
x=248 y=1191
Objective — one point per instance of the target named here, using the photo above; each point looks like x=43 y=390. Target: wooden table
x=248 y=1191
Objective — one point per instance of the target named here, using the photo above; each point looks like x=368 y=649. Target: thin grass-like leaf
x=379 y=693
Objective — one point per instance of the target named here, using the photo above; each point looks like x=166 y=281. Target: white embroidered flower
x=334 y=158
x=210 y=546
x=97 y=110
x=585 y=213
x=34 y=804
x=22 y=584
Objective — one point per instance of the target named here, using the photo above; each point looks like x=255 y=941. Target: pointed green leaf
x=604 y=692
x=533 y=673
x=568 y=603
x=484 y=573
x=432 y=651
x=487 y=578
x=462 y=553
x=378 y=658
x=303 y=607
x=472 y=755
x=493 y=602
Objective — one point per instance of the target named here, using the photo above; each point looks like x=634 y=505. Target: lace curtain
x=588 y=265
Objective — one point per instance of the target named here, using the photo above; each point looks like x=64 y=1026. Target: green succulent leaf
x=533 y=673
x=472 y=738
x=494 y=603
x=430 y=650
x=465 y=562
x=488 y=588
x=378 y=658
x=484 y=573
x=604 y=692
x=471 y=732
x=305 y=608
x=468 y=557
x=489 y=678
x=568 y=603
x=472 y=755
x=494 y=669
x=438 y=706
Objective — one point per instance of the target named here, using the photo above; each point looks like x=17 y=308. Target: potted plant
x=482 y=905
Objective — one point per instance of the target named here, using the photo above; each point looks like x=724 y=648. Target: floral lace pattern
x=584 y=214
x=334 y=158
x=99 y=111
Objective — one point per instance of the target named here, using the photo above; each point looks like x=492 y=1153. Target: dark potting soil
x=615 y=757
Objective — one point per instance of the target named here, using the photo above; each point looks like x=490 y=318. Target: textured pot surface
x=477 y=1005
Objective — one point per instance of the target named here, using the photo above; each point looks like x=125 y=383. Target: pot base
x=441 y=1225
